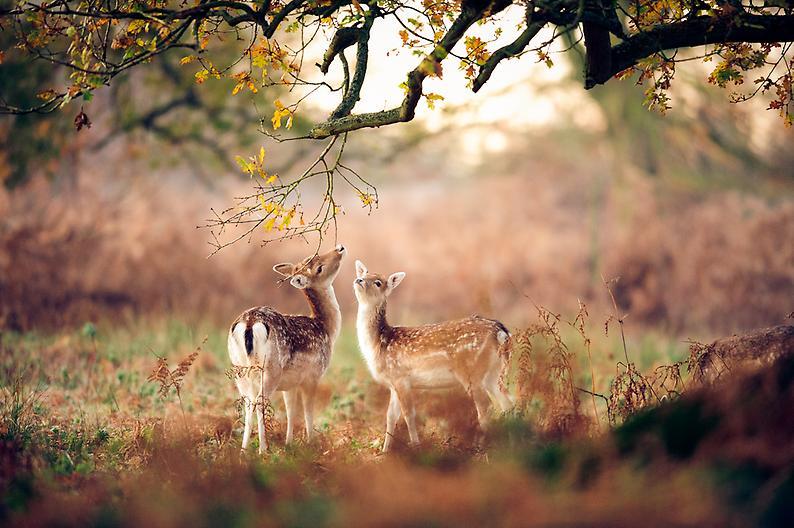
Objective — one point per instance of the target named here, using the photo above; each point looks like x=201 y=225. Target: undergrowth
x=100 y=426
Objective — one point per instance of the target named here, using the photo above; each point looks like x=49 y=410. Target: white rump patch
x=260 y=334
x=501 y=337
x=236 y=345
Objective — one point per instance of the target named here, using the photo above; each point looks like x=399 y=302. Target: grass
x=87 y=440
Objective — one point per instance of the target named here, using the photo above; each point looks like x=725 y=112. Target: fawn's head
x=372 y=289
x=318 y=271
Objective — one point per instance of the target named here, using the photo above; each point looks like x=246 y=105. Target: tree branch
x=353 y=91
x=598 y=48
x=405 y=112
x=696 y=32
x=506 y=52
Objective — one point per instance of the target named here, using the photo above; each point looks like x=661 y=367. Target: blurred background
x=531 y=191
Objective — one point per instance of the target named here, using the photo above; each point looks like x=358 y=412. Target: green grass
x=82 y=420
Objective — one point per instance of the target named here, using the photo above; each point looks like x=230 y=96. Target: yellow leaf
x=431 y=99
x=187 y=60
x=271 y=179
x=46 y=95
x=288 y=219
x=201 y=76
x=280 y=113
x=261 y=154
x=366 y=199
x=269 y=224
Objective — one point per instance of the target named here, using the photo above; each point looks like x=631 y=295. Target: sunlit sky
x=522 y=93
x=516 y=84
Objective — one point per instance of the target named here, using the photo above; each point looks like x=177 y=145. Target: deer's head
x=316 y=272
x=372 y=289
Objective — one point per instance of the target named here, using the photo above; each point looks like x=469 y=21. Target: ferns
x=168 y=378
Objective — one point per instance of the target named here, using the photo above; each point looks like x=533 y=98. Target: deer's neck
x=372 y=329
x=325 y=309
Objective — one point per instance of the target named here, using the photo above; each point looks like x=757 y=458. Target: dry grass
x=86 y=439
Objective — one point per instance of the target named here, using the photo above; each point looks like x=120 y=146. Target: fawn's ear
x=393 y=281
x=285 y=269
x=361 y=269
x=299 y=281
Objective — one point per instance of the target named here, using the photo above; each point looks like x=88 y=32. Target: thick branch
x=598 y=53
x=405 y=112
x=353 y=91
x=696 y=32
x=204 y=9
x=279 y=17
x=506 y=52
x=343 y=39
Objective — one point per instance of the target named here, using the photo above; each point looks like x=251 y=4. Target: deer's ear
x=299 y=281
x=393 y=281
x=361 y=269
x=285 y=269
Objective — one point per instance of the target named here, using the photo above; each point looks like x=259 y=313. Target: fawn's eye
x=320 y=268
x=378 y=283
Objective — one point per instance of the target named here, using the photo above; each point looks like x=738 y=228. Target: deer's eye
x=378 y=283
x=320 y=268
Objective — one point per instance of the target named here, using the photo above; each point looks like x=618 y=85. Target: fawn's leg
x=308 y=391
x=249 y=411
x=477 y=393
x=482 y=403
x=406 y=400
x=498 y=391
x=291 y=407
x=246 y=392
x=264 y=399
x=392 y=415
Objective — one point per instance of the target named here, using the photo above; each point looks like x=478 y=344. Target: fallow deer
x=472 y=352
x=289 y=353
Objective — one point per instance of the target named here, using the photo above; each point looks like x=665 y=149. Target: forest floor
x=88 y=439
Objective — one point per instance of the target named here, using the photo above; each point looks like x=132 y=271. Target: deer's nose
x=340 y=249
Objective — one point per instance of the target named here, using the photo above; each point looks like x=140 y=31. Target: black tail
x=249 y=340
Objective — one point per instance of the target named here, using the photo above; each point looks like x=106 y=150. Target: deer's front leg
x=392 y=415
x=308 y=392
x=406 y=398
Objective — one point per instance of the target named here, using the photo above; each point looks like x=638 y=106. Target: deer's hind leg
x=291 y=408
x=482 y=403
x=472 y=375
x=495 y=386
x=246 y=389
x=269 y=381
